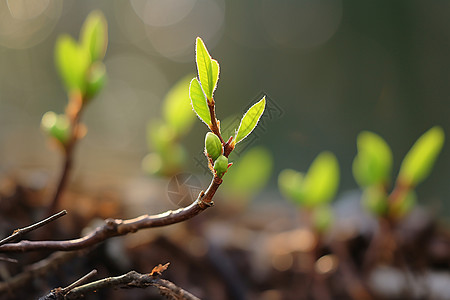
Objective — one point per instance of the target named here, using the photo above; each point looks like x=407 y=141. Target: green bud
x=56 y=126
x=221 y=165
x=95 y=80
x=213 y=146
x=374 y=199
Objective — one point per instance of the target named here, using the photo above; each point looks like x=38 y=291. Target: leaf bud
x=213 y=146
x=221 y=165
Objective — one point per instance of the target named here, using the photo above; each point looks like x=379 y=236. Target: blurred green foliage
x=373 y=164
x=419 y=161
x=315 y=189
x=83 y=74
x=372 y=168
x=168 y=156
x=79 y=63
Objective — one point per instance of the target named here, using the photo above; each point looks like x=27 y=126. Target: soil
x=259 y=252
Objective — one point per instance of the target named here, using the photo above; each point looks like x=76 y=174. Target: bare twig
x=73 y=112
x=21 y=231
x=118 y=227
x=133 y=279
x=37 y=269
x=59 y=293
x=7 y=259
x=79 y=282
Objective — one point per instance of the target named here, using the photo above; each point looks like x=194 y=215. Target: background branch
x=131 y=279
x=19 y=232
x=39 y=268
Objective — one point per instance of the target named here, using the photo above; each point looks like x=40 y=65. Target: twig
x=39 y=268
x=118 y=227
x=21 y=231
x=133 y=279
x=59 y=293
x=79 y=282
x=73 y=112
x=7 y=259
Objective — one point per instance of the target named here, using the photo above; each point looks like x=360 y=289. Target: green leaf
x=290 y=184
x=198 y=101
x=321 y=180
x=419 y=161
x=208 y=69
x=95 y=79
x=177 y=110
x=250 y=174
x=94 y=35
x=215 y=74
x=72 y=62
x=250 y=120
x=373 y=163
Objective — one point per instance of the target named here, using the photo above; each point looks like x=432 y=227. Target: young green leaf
x=198 y=101
x=321 y=180
x=250 y=120
x=208 y=69
x=72 y=62
x=94 y=35
x=177 y=110
x=290 y=183
x=95 y=79
x=419 y=161
x=373 y=163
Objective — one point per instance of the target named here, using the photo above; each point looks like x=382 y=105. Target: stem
x=214 y=126
x=73 y=112
x=21 y=231
x=119 y=227
x=132 y=279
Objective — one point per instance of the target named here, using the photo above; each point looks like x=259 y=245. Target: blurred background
x=330 y=69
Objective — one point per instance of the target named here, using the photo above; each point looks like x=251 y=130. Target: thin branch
x=79 y=282
x=132 y=279
x=73 y=111
x=21 y=231
x=59 y=293
x=37 y=269
x=118 y=227
x=7 y=259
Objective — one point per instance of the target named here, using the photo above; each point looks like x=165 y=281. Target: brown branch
x=118 y=227
x=73 y=111
x=10 y=260
x=21 y=231
x=39 y=268
x=132 y=279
